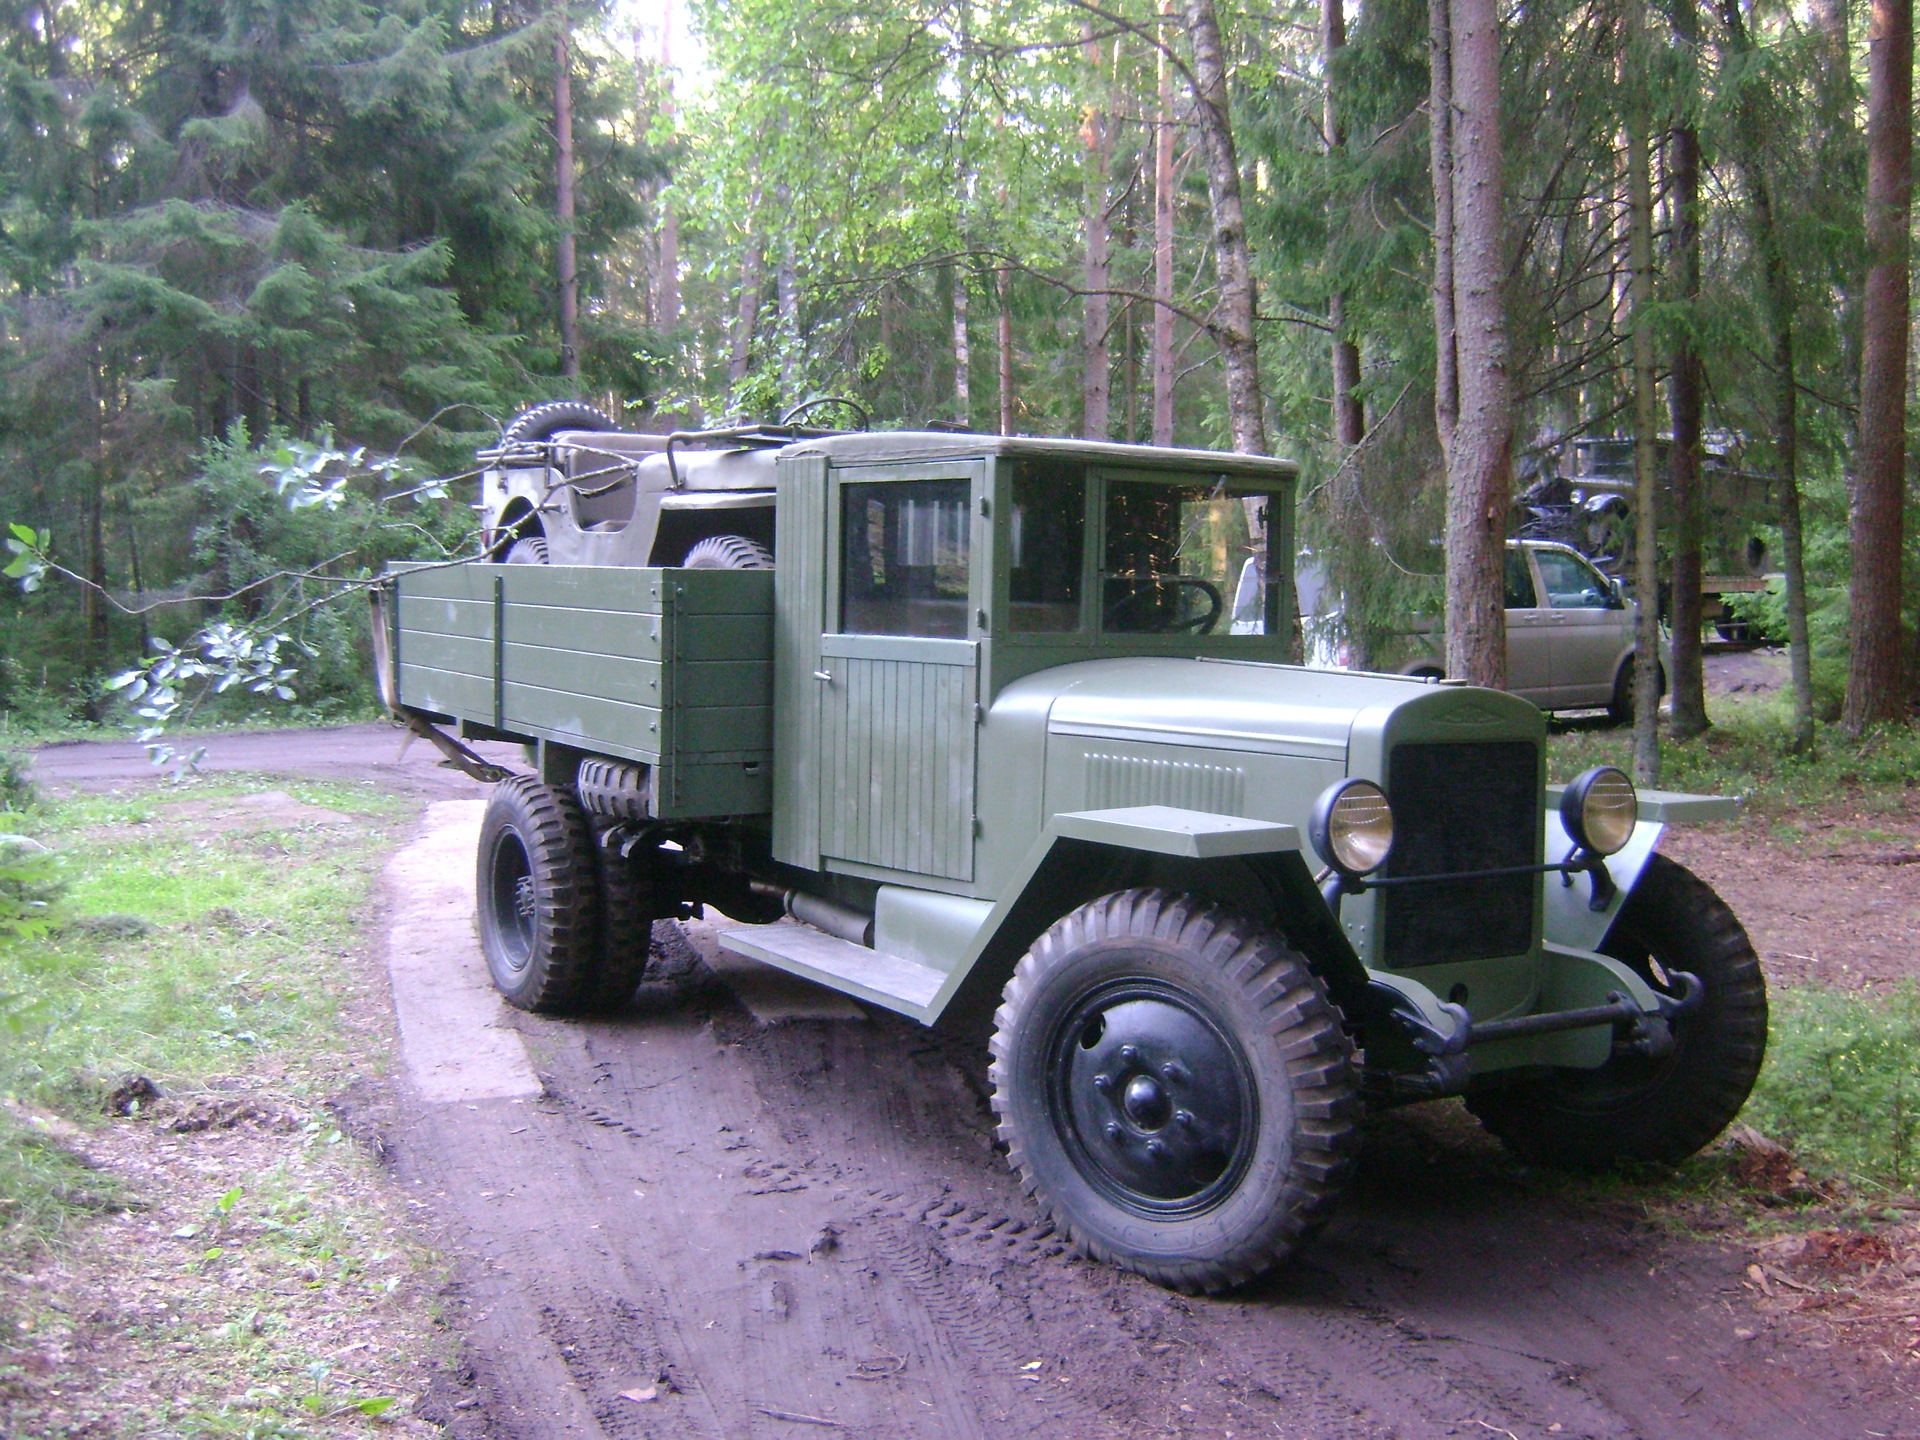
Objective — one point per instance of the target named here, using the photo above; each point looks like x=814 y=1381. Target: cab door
x=898 y=675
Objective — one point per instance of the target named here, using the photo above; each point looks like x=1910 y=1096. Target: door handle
x=825 y=677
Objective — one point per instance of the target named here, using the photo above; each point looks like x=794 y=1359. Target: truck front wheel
x=1174 y=1087
x=537 y=895
x=1657 y=1109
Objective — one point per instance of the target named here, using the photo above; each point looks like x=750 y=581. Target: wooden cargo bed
x=672 y=668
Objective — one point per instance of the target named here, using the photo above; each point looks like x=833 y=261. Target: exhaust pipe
x=842 y=921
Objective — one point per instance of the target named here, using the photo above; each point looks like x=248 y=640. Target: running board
x=884 y=980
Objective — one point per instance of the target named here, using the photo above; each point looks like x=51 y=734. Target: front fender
x=1570 y=920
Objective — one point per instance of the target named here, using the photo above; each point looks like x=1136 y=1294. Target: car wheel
x=1637 y=1107
x=1174 y=1087
x=728 y=552
x=530 y=551
x=540 y=421
x=537 y=895
x=623 y=938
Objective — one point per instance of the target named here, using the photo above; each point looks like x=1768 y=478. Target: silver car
x=1569 y=634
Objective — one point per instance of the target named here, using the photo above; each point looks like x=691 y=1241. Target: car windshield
x=1188 y=558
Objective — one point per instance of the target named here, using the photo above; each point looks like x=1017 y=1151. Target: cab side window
x=904 y=556
x=1571 y=583
x=1520 y=594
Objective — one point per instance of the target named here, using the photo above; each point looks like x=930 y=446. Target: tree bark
x=747 y=316
x=1646 y=451
x=1784 y=411
x=1234 y=323
x=1689 y=717
x=1096 y=383
x=786 y=283
x=962 y=351
x=1349 y=418
x=563 y=198
x=1875 y=691
x=1002 y=284
x=1446 y=368
x=1479 y=439
x=1162 y=349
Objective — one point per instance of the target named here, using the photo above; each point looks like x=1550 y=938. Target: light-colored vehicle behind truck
x=1003 y=735
x=1569 y=634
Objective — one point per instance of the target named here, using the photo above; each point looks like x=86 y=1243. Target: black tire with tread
x=538 y=422
x=539 y=961
x=727 y=552
x=1635 y=1108
x=623 y=939
x=532 y=550
x=1299 y=1059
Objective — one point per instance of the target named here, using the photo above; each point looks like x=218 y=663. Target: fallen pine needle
x=797 y=1418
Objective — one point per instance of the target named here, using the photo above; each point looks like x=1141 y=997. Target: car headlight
x=1599 y=810
x=1352 y=827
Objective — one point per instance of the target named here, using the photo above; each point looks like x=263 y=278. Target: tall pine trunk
x=1349 y=419
x=1689 y=717
x=563 y=198
x=1096 y=389
x=1479 y=454
x=1446 y=376
x=1233 y=265
x=1162 y=348
x=1646 y=449
x=1875 y=691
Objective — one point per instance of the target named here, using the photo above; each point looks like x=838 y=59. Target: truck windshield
x=1188 y=558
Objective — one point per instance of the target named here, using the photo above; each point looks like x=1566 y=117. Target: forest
x=272 y=270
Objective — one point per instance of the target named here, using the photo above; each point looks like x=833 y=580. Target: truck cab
x=1010 y=733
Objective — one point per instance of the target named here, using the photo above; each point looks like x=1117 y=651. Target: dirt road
x=690 y=1224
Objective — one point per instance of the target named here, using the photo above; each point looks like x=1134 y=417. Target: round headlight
x=1352 y=827
x=1599 y=810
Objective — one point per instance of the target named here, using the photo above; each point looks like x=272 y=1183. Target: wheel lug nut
x=1172 y=1073
x=1156 y=1149
x=1129 y=1054
x=1113 y=1129
x=1103 y=1083
x=1183 y=1118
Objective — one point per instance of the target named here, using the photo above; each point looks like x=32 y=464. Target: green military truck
x=1006 y=731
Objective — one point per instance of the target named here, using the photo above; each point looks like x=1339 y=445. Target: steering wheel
x=1201 y=624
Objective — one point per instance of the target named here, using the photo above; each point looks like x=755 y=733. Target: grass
x=1745 y=753
x=253 y=1277
x=1841 y=1088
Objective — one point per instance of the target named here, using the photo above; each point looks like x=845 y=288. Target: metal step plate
x=884 y=980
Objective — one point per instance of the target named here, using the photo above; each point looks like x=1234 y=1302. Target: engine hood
x=1253 y=708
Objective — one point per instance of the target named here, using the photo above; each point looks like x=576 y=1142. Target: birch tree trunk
x=962 y=351
x=1002 y=285
x=1874 y=512
x=747 y=317
x=1234 y=325
x=1479 y=455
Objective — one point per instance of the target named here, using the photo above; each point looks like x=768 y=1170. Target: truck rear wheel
x=624 y=937
x=1174 y=1087
x=536 y=892
x=1646 y=1108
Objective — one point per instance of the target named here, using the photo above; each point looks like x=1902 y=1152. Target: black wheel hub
x=1153 y=1098
x=512 y=900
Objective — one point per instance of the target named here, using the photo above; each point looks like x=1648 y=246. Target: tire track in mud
x=810 y=1223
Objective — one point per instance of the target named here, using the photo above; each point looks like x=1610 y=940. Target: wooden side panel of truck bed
x=671 y=668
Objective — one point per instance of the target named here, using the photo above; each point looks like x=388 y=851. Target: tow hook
x=1652 y=1035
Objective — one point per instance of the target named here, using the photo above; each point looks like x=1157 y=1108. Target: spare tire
x=541 y=421
x=728 y=552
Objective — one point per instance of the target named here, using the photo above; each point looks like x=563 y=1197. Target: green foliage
x=1841 y=1087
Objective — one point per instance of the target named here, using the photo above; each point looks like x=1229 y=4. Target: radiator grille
x=1462 y=808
